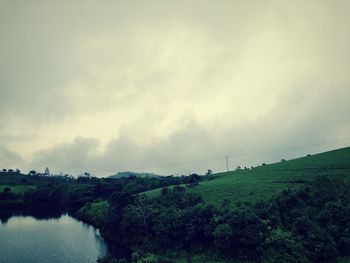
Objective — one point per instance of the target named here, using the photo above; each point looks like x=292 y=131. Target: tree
x=194 y=178
x=178 y=188
x=7 y=190
x=222 y=235
x=142 y=210
x=164 y=190
x=119 y=200
x=283 y=246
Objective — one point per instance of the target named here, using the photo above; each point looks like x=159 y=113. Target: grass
x=7 y=178
x=18 y=183
x=96 y=212
x=18 y=189
x=263 y=182
x=156 y=192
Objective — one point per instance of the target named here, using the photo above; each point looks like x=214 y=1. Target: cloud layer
x=115 y=85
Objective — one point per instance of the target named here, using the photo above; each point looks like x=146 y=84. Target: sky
x=171 y=87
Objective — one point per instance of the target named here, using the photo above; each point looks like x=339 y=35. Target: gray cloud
x=69 y=156
x=10 y=159
x=99 y=86
x=194 y=142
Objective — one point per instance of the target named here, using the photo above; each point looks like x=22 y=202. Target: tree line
x=306 y=225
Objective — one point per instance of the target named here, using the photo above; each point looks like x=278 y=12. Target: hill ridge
x=265 y=181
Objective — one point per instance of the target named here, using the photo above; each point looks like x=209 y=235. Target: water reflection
x=42 y=214
x=51 y=238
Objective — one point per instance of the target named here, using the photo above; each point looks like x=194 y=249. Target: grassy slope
x=95 y=212
x=19 y=183
x=264 y=182
x=18 y=189
x=156 y=192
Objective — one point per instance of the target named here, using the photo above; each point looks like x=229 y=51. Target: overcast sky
x=107 y=86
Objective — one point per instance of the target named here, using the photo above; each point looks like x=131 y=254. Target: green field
x=156 y=192
x=95 y=212
x=18 y=183
x=17 y=178
x=18 y=189
x=263 y=182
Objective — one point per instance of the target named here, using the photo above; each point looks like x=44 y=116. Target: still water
x=49 y=240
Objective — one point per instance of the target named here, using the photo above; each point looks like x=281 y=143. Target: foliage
x=306 y=225
x=265 y=182
x=244 y=216
x=95 y=212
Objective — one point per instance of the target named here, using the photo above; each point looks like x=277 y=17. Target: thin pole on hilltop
x=227 y=163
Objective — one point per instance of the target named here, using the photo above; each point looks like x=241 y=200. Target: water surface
x=55 y=240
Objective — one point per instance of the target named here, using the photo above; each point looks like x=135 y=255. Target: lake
x=53 y=240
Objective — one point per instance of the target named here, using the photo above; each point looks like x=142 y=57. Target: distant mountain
x=129 y=174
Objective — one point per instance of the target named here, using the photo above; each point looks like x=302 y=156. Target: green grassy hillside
x=18 y=189
x=18 y=183
x=263 y=182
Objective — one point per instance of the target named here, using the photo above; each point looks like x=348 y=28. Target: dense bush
x=308 y=225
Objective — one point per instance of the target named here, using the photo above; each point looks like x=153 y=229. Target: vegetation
x=292 y=211
x=18 y=189
x=264 y=182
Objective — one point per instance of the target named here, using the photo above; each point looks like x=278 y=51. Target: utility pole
x=227 y=163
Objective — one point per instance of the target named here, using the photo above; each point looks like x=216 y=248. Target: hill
x=284 y=228
x=264 y=182
x=135 y=174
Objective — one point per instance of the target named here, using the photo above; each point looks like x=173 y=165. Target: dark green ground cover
x=293 y=211
x=264 y=182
